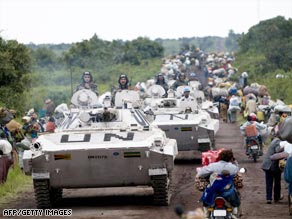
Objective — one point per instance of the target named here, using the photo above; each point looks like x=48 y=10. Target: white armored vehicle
x=101 y=147
x=185 y=121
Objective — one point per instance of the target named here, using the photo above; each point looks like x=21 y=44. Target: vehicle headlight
x=37 y=146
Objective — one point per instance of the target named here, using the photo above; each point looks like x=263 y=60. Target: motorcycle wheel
x=254 y=157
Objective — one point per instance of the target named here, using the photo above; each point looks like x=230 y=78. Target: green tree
x=45 y=58
x=231 y=41
x=271 y=38
x=15 y=66
x=141 y=48
x=92 y=53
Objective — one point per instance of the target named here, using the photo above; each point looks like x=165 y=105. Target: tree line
x=265 y=51
x=31 y=73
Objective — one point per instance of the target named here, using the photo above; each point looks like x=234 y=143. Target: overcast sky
x=67 y=21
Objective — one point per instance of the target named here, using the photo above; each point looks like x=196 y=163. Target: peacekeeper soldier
x=181 y=81
x=87 y=83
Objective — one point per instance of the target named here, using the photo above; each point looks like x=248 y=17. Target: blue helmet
x=193 y=74
x=186 y=89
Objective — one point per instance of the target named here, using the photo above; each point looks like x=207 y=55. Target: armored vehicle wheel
x=56 y=194
x=44 y=194
x=161 y=187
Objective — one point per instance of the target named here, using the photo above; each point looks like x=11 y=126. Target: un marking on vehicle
x=75 y=138
x=108 y=136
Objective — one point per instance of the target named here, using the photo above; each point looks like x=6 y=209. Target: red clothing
x=50 y=127
x=5 y=163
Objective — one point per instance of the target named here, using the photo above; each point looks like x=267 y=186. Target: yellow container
x=260 y=116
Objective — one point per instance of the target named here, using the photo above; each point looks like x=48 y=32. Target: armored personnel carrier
x=97 y=147
x=187 y=122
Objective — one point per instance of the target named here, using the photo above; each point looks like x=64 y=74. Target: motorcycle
x=226 y=191
x=220 y=207
x=254 y=150
x=252 y=141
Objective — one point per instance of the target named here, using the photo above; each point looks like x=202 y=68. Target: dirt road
x=136 y=203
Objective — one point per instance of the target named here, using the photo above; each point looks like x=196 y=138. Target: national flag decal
x=62 y=156
x=132 y=154
x=185 y=129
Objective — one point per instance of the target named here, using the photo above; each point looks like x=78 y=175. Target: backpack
x=251 y=130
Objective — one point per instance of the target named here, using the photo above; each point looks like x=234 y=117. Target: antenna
x=70 y=66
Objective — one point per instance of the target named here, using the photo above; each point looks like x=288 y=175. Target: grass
x=16 y=183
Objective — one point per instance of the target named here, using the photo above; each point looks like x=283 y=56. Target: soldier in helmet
x=87 y=83
x=160 y=80
x=181 y=81
x=193 y=77
x=123 y=82
x=123 y=85
x=186 y=95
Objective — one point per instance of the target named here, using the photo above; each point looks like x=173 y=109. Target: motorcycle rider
x=253 y=127
x=223 y=169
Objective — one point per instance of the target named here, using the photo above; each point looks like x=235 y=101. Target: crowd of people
x=232 y=97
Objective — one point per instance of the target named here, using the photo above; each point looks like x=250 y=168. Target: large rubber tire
x=45 y=195
x=254 y=157
x=162 y=189
x=56 y=194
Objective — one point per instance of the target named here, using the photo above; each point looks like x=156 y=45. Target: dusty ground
x=136 y=204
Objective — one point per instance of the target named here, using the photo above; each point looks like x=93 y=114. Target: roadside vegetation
x=265 y=52
x=16 y=183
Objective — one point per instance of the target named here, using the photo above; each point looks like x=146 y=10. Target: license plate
x=217 y=213
x=44 y=175
x=254 y=147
